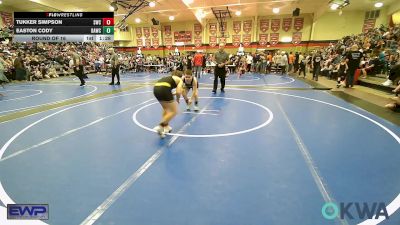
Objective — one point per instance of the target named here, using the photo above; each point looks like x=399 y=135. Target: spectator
x=394 y=105
x=353 y=63
x=3 y=65
x=291 y=61
x=198 y=64
x=20 y=68
x=316 y=65
x=393 y=75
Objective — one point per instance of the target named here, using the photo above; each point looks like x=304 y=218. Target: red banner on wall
x=237 y=26
x=298 y=23
x=154 y=31
x=264 y=25
x=168 y=42
x=139 y=42
x=274 y=38
x=155 y=42
x=263 y=39
x=275 y=24
x=138 y=32
x=197 y=41
x=246 y=39
x=236 y=39
x=167 y=30
x=148 y=43
x=183 y=36
x=286 y=24
x=222 y=40
x=197 y=28
x=296 y=39
x=146 y=32
x=213 y=28
x=368 y=24
x=247 y=26
x=213 y=41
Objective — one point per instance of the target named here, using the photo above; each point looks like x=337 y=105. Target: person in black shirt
x=115 y=65
x=297 y=62
x=301 y=67
x=342 y=71
x=317 y=60
x=77 y=65
x=353 y=63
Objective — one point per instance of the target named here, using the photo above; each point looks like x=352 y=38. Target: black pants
x=394 y=72
x=350 y=76
x=296 y=67
x=283 y=69
x=114 y=71
x=221 y=73
x=316 y=71
x=302 y=69
x=79 y=73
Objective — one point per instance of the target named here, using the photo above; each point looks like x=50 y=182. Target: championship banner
x=197 y=28
x=168 y=42
x=7 y=19
x=156 y=43
x=247 y=26
x=275 y=24
x=154 y=31
x=296 y=39
x=213 y=41
x=197 y=41
x=368 y=24
x=236 y=40
x=138 y=32
x=237 y=26
x=183 y=36
x=224 y=27
x=274 y=38
x=298 y=23
x=139 y=42
x=212 y=28
x=246 y=39
x=222 y=40
x=286 y=24
x=263 y=39
x=148 y=43
x=264 y=25
x=167 y=30
x=146 y=32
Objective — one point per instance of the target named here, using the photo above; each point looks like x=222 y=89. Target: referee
x=221 y=59
x=77 y=65
x=114 y=66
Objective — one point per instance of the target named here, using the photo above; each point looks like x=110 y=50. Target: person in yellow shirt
x=163 y=92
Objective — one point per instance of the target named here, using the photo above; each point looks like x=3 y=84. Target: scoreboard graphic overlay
x=63 y=27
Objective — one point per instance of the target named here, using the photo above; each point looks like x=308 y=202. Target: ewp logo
x=27 y=212
x=330 y=210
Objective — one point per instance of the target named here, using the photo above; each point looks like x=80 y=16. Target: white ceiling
x=186 y=12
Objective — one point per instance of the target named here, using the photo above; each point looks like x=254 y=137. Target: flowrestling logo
x=351 y=210
x=27 y=212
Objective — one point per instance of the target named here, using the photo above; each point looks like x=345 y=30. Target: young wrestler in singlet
x=190 y=82
x=163 y=93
